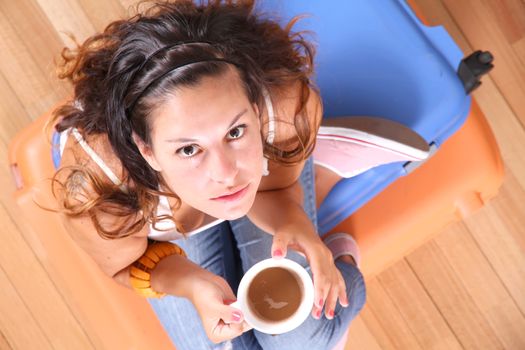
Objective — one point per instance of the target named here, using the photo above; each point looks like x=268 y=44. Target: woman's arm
x=174 y=275
x=280 y=213
x=278 y=210
x=113 y=256
x=282 y=182
x=279 y=199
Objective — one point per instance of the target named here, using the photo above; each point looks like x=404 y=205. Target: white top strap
x=271 y=116
x=165 y=230
x=271 y=126
x=96 y=158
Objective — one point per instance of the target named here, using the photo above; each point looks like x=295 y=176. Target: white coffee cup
x=289 y=323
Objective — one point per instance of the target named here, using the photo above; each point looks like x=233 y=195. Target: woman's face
x=206 y=143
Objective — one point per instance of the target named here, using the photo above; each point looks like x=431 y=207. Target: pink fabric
x=343 y=244
x=352 y=158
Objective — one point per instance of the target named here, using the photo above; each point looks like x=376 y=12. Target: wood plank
x=509 y=207
x=30 y=23
x=436 y=14
x=509 y=16
x=24 y=73
x=103 y=12
x=519 y=48
x=372 y=323
x=445 y=289
x=417 y=308
x=483 y=285
x=477 y=21
x=19 y=328
x=12 y=113
x=498 y=230
x=130 y=6
x=39 y=37
x=390 y=316
x=67 y=17
x=38 y=292
x=360 y=337
x=506 y=127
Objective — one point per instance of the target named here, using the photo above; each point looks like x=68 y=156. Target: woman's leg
x=254 y=245
x=211 y=249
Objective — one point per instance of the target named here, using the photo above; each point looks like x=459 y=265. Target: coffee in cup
x=275 y=295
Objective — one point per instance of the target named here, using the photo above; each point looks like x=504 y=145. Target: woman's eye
x=188 y=151
x=236 y=132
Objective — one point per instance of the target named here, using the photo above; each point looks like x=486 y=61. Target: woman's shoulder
x=287 y=102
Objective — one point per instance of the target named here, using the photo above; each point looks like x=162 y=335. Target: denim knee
x=355 y=288
x=323 y=334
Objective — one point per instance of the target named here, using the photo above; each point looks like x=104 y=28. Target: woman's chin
x=233 y=214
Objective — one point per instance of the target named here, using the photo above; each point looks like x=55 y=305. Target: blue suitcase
x=375 y=58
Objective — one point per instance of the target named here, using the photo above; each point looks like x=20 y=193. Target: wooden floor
x=463 y=289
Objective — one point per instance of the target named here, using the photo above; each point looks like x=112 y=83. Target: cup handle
x=247 y=326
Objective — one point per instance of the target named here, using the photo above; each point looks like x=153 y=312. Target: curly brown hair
x=109 y=70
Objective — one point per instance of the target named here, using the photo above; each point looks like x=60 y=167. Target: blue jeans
x=232 y=247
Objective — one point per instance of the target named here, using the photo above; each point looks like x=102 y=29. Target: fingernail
x=278 y=253
x=331 y=313
x=229 y=301
x=236 y=316
x=318 y=314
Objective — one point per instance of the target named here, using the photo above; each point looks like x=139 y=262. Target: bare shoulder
x=81 y=228
x=75 y=155
x=286 y=102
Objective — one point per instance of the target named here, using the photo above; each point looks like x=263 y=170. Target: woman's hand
x=279 y=211
x=211 y=297
x=328 y=281
x=209 y=293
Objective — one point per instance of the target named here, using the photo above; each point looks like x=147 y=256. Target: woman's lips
x=233 y=196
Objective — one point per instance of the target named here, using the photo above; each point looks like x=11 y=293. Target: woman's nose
x=223 y=167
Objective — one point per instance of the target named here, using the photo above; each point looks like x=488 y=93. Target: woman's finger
x=279 y=246
x=331 y=302
x=222 y=331
x=228 y=323
x=343 y=297
x=321 y=286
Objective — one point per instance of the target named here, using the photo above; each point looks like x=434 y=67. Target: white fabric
x=95 y=157
x=166 y=229
x=271 y=116
x=271 y=127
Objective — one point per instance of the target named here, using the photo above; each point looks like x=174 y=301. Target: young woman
x=193 y=125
